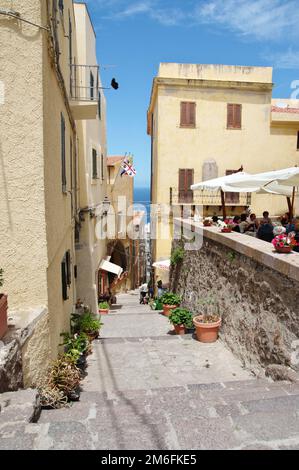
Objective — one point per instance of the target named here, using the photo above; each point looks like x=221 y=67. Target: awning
x=164 y=265
x=111 y=267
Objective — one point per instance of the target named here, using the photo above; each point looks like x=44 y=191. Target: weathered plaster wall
x=23 y=253
x=256 y=290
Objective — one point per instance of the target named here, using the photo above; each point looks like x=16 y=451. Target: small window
x=64 y=279
x=102 y=167
x=298 y=140
x=68 y=268
x=91 y=86
x=63 y=162
x=188 y=118
x=234 y=116
x=61 y=5
x=94 y=164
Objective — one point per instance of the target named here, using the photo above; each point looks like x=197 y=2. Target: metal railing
x=84 y=82
x=207 y=198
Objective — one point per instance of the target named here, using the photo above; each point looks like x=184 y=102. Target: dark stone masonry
x=258 y=304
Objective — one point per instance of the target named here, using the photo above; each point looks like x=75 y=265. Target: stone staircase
x=148 y=389
x=246 y=414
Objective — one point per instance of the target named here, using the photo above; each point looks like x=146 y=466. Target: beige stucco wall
x=23 y=254
x=258 y=146
x=91 y=249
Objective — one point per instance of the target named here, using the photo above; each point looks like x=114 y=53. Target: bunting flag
x=127 y=167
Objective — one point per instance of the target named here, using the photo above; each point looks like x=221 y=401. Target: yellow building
x=49 y=76
x=206 y=121
x=121 y=245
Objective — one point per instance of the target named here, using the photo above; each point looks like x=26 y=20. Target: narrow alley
x=148 y=389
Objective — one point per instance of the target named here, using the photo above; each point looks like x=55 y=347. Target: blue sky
x=135 y=36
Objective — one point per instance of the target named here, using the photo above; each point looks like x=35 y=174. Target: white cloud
x=284 y=59
x=259 y=19
x=256 y=19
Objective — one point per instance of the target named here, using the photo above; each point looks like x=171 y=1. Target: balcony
x=207 y=198
x=84 y=91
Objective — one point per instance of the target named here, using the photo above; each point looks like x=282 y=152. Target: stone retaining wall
x=257 y=291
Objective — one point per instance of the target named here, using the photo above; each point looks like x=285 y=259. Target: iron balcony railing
x=84 y=82
x=207 y=198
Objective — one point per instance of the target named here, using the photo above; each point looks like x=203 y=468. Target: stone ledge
x=258 y=250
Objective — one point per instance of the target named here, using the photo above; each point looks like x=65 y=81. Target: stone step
x=19 y=406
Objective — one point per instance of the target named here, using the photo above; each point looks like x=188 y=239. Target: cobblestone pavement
x=149 y=389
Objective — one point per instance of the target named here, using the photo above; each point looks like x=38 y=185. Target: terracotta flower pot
x=206 y=332
x=284 y=249
x=93 y=335
x=3 y=315
x=103 y=311
x=168 y=308
x=180 y=329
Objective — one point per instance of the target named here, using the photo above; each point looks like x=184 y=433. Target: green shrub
x=104 y=306
x=75 y=345
x=85 y=323
x=181 y=316
x=177 y=255
x=169 y=298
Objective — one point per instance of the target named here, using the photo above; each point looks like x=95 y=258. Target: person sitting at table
x=243 y=225
x=296 y=231
x=253 y=223
x=290 y=227
x=265 y=230
x=285 y=219
x=266 y=219
x=236 y=221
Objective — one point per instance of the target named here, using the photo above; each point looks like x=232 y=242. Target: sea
x=142 y=200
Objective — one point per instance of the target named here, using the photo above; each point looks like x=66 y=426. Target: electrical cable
x=16 y=15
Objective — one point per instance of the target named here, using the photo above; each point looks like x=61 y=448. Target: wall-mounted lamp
x=106 y=205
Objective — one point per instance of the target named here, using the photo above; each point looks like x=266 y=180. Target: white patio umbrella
x=164 y=265
x=242 y=182
x=282 y=180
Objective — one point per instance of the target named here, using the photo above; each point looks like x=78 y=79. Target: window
x=61 y=5
x=298 y=140
x=234 y=116
x=94 y=164
x=186 y=179
x=100 y=106
x=102 y=167
x=68 y=268
x=231 y=198
x=63 y=163
x=64 y=279
x=91 y=86
x=188 y=114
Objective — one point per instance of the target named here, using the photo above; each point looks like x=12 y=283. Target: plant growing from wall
x=231 y=255
x=177 y=255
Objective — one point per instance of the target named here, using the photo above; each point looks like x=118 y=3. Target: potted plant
x=104 y=308
x=207 y=324
x=181 y=319
x=207 y=223
x=76 y=348
x=170 y=301
x=284 y=243
x=3 y=309
x=86 y=323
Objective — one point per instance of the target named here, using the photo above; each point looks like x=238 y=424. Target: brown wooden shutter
x=188 y=115
x=234 y=116
x=186 y=179
x=231 y=198
x=238 y=116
